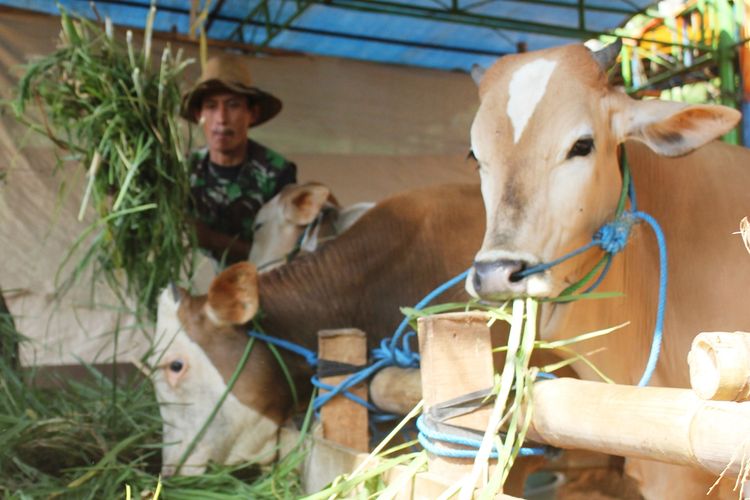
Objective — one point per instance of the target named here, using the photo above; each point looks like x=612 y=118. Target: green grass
x=79 y=442
x=92 y=439
x=113 y=111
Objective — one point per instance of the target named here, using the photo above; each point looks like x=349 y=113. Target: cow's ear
x=233 y=295
x=305 y=202
x=671 y=128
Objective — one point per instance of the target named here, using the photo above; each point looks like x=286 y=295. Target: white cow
x=546 y=138
x=297 y=219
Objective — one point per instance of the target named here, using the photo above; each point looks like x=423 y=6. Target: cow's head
x=199 y=343
x=281 y=222
x=545 y=138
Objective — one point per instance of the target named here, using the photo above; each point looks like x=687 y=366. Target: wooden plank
x=344 y=421
x=456 y=359
x=328 y=460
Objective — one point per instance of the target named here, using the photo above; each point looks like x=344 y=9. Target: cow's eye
x=257 y=226
x=582 y=147
x=176 y=366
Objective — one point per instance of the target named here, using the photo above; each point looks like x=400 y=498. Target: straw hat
x=226 y=73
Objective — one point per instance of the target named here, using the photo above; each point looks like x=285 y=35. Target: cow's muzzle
x=498 y=278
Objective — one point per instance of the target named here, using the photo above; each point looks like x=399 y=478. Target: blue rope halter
x=612 y=238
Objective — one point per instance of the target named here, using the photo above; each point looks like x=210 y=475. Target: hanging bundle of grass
x=105 y=104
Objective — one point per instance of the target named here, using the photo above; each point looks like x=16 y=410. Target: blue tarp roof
x=442 y=34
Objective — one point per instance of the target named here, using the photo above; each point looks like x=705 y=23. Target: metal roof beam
x=482 y=20
x=213 y=15
x=459 y=17
x=577 y=6
x=261 y=16
x=336 y=34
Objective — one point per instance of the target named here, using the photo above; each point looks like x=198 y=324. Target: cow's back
x=395 y=254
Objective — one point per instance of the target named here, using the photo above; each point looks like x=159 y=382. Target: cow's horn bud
x=606 y=56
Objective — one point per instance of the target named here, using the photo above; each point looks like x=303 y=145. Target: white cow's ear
x=233 y=295
x=671 y=128
x=305 y=202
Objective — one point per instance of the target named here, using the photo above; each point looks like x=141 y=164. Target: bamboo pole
x=720 y=366
x=396 y=390
x=653 y=423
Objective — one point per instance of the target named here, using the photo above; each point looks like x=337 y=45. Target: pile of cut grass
x=106 y=106
x=94 y=440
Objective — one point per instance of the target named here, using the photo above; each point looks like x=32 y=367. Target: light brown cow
x=299 y=218
x=546 y=139
x=394 y=255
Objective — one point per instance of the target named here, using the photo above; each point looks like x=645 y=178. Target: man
x=233 y=176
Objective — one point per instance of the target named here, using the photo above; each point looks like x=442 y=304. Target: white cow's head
x=199 y=342
x=545 y=138
x=281 y=223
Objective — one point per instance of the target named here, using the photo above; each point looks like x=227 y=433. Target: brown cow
x=546 y=139
x=394 y=255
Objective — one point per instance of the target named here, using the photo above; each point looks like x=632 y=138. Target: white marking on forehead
x=527 y=87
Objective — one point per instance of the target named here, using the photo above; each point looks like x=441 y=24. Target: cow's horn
x=606 y=56
x=477 y=72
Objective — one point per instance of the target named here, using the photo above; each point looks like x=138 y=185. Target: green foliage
x=105 y=105
x=83 y=441
x=92 y=439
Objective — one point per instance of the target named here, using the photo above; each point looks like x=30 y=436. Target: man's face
x=226 y=117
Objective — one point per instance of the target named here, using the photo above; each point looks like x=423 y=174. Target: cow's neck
x=705 y=266
x=633 y=273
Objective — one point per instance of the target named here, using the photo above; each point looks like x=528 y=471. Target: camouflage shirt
x=227 y=199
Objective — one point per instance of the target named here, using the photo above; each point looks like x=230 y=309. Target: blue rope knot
x=402 y=357
x=613 y=236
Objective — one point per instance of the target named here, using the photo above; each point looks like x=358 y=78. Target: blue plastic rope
x=427 y=438
x=426 y=300
x=612 y=238
x=344 y=386
x=387 y=354
x=310 y=356
x=653 y=356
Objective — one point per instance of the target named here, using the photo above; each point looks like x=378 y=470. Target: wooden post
x=456 y=359
x=720 y=366
x=344 y=421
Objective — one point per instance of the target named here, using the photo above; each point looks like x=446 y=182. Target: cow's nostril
x=516 y=275
x=477 y=281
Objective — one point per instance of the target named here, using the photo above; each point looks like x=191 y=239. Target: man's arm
x=222 y=247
